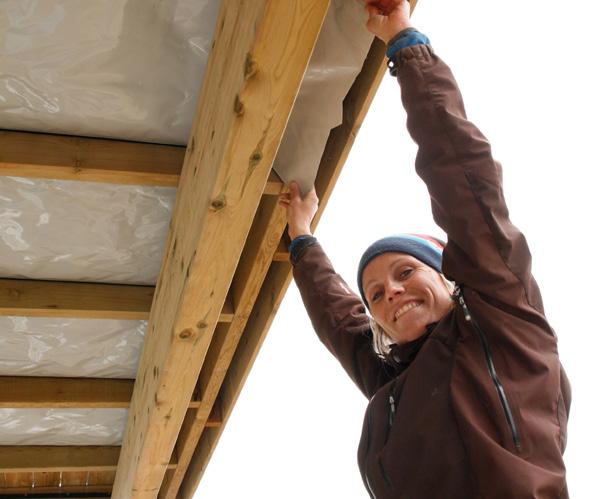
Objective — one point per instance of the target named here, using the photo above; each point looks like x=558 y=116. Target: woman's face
x=404 y=295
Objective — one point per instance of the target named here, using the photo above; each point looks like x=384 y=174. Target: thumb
x=294 y=190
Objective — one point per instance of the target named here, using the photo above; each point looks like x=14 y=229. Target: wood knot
x=238 y=106
x=255 y=159
x=218 y=203
x=250 y=67
x=202 y=324
x=186 y=334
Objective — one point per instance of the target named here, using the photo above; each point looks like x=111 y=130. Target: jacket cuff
x=298 y=247
x=406 y=38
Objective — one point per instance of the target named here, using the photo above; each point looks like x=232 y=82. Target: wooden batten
x=39 y=392
x=31 y=298
x=67 y=157
x=240 y=121
x=31 y=459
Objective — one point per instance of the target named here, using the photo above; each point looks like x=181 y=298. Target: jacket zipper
x=491 y=369
x=369 y=487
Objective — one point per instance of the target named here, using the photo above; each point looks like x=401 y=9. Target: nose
x=393 y=290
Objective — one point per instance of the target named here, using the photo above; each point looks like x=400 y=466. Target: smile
x=405 y=308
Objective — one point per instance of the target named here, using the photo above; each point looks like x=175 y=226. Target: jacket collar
x=402 y=354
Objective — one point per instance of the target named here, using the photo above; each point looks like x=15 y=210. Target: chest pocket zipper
x=491 y=369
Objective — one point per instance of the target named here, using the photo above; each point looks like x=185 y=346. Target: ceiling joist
x=31 y=298
x=279 y=275
x=66 y=157
x=259 y=56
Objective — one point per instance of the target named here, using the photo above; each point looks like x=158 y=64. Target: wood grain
x=239 y=124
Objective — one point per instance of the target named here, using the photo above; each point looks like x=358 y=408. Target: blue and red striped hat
x=425 y=248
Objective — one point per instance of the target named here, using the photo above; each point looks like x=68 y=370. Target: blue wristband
x=406 y=38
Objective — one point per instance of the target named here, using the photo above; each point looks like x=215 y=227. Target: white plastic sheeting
x=82 y=231
x=131 y=69
x=62 y=426
x=337 y=59
x=96 y=348
x=127 y=69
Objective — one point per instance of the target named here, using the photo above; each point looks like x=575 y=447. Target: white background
x=529 y=72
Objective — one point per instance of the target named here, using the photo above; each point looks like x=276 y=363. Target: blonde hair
x=381 y=341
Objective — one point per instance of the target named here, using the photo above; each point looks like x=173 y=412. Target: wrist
x=295 y=232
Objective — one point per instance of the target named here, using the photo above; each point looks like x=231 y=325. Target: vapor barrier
x=82 y=231
x=124 y=69
x=62 y=426
x=131 y=69
x=96 y=348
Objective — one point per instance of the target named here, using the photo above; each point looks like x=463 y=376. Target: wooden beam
x=65 y=157
x=33 y=392
x=339 y=143
x=22 y=458
x=38 y=155
x=31 y=298
x=269 y=222
x=281 y=254
x=38 y=392
x=75 y=491
x=259 y=56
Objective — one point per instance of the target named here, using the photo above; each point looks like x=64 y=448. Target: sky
x=530 y=77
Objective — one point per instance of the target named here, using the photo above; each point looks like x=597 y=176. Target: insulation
x=82 y=231
x=62 y=426
x=125 y=69
x=95 y=348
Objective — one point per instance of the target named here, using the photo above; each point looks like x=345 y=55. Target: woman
x=467 y=395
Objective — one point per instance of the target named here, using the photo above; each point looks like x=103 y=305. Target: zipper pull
x=392 y=410
x=459 y=297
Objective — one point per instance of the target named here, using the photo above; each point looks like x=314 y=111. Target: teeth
x=405 y=308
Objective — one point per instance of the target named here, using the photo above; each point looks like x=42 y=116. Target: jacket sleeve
x=339 y=319
x=485 y=251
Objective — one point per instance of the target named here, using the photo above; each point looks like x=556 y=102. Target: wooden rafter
x=259 y=56
x=34 y=392
x=66 y=157
x=22 y=458
x=279 y=274
x=31 y=298
x=256 y=258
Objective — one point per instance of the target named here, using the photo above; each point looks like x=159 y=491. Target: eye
x=405 y=273
x=376 y=296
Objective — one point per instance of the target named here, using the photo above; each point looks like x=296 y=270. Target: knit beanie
x=427 y=249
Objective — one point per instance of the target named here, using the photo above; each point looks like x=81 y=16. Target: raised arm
x=337 y=314
x=485 y=251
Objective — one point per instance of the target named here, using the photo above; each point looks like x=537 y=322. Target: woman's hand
x=300 y=210
x=387 y=18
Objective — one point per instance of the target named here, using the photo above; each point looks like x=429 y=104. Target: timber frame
x=224 y=272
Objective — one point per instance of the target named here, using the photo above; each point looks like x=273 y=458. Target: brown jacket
x=476 y=408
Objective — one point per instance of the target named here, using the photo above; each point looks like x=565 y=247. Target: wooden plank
x=31 y=392
x=39 y=392
x=72 y=490
x=31 y=298
x=42 y=483
x=26 y=459
x=269 y=222
x=259 y=56
x=65 y=157
x=37 y=155
x=341 y=138
x=281 y=254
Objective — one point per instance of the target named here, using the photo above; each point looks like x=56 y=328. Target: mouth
x=406 y=308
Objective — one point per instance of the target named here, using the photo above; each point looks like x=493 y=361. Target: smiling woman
x=470 y=389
